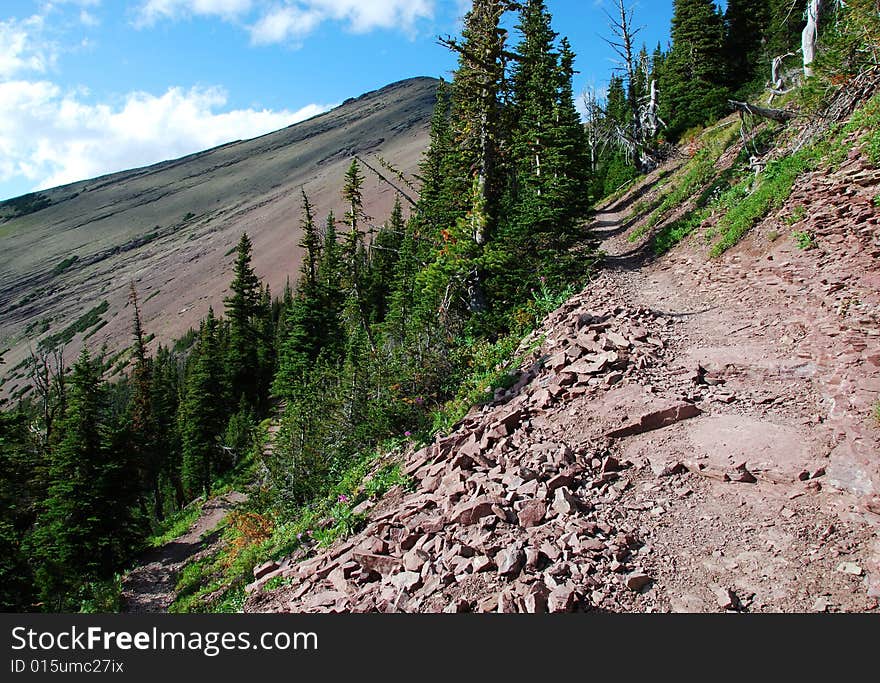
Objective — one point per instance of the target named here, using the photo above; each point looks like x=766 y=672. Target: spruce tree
x=748 y=22
x=242 y=364
x=84 y=528
x=694 y=77
x=202 y=411
x=306 y=318
x=141 y=419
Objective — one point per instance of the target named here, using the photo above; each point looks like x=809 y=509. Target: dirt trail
x=150 y=587
x=784 y=395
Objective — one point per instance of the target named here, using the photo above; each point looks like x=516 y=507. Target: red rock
x=533 y=558
x=471 y=512
x=266 y=568
x=742 y=475
x=507 y=603
x=414 y=560
x=509 y=561
x=657 y=420
x=406 y=582
x=459 y=606
x=532 y=513
x=373 y=546
x=481 y=563
x=726 y=598
x=564 y=503
x=637 y=581
x=561 y=599
x=536 y=601
x=381 y=564
x=618 y=340
x=462 y=461
x=558 y=481
x=551 y=551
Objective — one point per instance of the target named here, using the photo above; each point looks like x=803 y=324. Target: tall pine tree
x=694 y=76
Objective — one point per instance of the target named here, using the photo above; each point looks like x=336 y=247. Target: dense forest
x=387 y=333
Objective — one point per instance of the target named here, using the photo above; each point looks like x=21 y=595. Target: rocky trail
x=150 y=587
x=687 y=435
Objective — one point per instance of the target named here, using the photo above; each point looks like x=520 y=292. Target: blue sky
x=94 y=86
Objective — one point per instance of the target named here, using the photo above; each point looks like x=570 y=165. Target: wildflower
x=299 y=536
x=343 y=498
x=407 y=434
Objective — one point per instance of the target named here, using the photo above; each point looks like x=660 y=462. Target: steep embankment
x=689 y=435
x=171 y=227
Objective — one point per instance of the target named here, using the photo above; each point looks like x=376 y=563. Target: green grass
x=64 y=265
x=805 y=240
x=797 y=215
x=176 y=525
x=772 y=192
x=693 y=176
x=85 y=322
x=216 y=583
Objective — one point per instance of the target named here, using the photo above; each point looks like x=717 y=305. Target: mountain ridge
x=169 y=226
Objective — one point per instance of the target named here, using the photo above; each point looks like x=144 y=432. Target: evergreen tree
x=694 y=77
x=384 y=253
x=84 y=529
x=141 y=420
x=306 y=319
x=19 y=497
x=166 y=390
x=242 y=363
x=202 y=411
x=748 y=22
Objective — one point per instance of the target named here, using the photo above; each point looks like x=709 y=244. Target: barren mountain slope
x=691 y=435
x=170 y=227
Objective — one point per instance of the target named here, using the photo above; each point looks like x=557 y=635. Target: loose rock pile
x=503 y=517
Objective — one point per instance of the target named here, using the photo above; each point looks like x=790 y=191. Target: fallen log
x=780 y=115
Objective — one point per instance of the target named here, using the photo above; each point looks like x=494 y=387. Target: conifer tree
x=306 y=319
x=384 y=253
x=241 y=308
x=84 y=524
x=166 y=390
x=202 y=411
x=142 y=423
x=694 y=77
x=747 y=24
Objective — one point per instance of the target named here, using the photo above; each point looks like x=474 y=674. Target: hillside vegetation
x=314 y=400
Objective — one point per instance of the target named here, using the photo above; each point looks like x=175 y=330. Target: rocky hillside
x=69 y=253
x=686 y=434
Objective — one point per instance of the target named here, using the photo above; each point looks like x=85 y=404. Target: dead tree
x=810 y=35
x=621 y=24
x=47 y=373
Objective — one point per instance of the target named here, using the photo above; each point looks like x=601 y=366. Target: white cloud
x=152 y=11
x=52 y=138
x=283 y=23
x=22 y=49
x=86 y=18
x=277 y=21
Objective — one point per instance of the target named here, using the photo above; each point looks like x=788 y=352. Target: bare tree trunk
x=624 y=33
x=780 y=115
x=810 y=35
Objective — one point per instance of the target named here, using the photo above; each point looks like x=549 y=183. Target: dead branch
x=780 y=115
